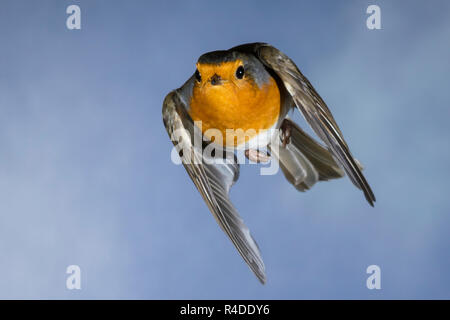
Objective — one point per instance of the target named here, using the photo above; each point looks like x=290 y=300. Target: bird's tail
x=303 y=160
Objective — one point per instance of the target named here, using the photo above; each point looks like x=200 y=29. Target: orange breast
x=237 y=109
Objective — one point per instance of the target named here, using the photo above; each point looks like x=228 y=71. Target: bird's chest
x=231 y=115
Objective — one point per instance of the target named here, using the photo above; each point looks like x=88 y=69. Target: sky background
x=86 y=176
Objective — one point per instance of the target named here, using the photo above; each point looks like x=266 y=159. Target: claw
x=285 y=133
x=257 y=156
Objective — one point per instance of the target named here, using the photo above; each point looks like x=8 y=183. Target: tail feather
x=320 y=157
x=304 y=161
x=297 y=169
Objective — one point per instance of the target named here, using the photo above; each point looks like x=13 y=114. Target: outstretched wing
x=313 y=109
x=213 y=180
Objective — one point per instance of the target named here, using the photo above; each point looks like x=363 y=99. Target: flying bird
x=254 y=86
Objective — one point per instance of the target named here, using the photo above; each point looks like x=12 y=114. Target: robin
x=251 y=88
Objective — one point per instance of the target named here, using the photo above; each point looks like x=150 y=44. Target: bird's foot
x=257 y=156
x=285 y=133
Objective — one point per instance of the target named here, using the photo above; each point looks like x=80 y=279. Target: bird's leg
x=285 y=133
x=257 y=156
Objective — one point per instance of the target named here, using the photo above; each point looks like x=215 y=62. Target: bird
x=254 y=86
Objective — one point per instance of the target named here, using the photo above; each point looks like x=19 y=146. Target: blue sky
x=86 y=176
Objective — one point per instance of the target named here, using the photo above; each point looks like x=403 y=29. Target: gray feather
x=314 y=109
x=213 y=181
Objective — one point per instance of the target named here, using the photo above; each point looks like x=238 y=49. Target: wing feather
x=213 y=180
x=313 y=108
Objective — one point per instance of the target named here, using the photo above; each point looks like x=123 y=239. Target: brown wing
x=213 y=180
x=313 y=109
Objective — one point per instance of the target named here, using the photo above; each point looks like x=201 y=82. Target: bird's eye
x=240 y=72
x=198 y=77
